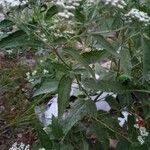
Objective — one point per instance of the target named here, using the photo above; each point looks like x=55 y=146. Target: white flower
x=136 y=126
x=12 y=3
x=9 y=51
x=34 y=72
x=115 y=3
x=31 y=80
x=28 y=75
x=45 y=71
x=60 y=3
x=97 y=76
x=21 y=146
x=143 y=131
x=138 y=15
x=70 y=7
x=41 y=61
x=140 y=139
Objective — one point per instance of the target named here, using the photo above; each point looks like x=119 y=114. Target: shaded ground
x=15 y=96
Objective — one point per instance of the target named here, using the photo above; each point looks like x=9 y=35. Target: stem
x=105 y=125
x=86 y=93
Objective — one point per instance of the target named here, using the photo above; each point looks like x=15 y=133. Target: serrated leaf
x=105 y=86
x=56 y=128
x=125 y=61
x=6 y=23
x=99 y=130
x=60 y=67
x=146 y=57
x=111 y=86
x=112 y=102
x=105 y=44
x=64 y=88
x=19 y=39
x=94 y=56
x=77 y=112
x=44 y=139
x=74 y=53
x=46 y=87
x=51 y=12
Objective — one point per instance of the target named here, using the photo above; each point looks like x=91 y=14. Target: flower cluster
x=116 y=3
x=12 y=3
x=30 y=75
x=20 y=146
x=142 y=130
x=68 y=7
x=140 y=16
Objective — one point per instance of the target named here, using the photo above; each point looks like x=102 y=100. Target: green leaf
x=123 y=145
x=19 y=39
x=112 y=102
x=111 y=86
x=94 y=56
x=46 y=87
x=6 y=23
x=78 y=111
x=64 y=88
x=146 y=57
x=60 y=67
x=125 y=61
x=51 y=12
x=44 y=139
x=74 y=53
x=56 y=128
x=79 y=16
x=105 y=86
x=105 y=44
x=99 y=130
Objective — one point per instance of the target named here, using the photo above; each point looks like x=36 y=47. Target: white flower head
x=136 y=126
x=41 y=61
x=140 y=16
x=12 y=3
x=9 y=51
x=34 y=72
x=28 y=75
x=140 y=139
x=20 y=146
x=143 y=131
x=45 y=71
x=115 y=3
